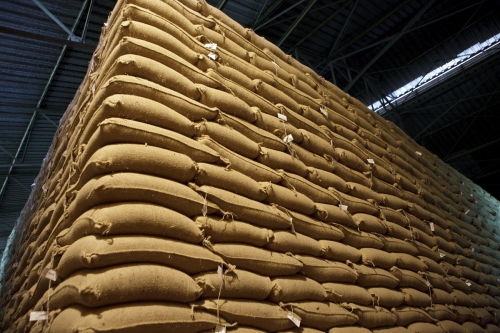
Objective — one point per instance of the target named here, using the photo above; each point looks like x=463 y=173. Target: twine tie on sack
x=409 y=225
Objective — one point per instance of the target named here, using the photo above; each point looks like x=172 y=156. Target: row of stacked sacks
x=203 y=181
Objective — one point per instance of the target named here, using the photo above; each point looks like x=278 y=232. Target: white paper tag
x=473 y=249
x=212 y=56
x=51 y=275
x=38 y=315
x=288 y=138
x=460 y=192
x=220 y=270
x=371 y=161
x=418 y=153
x=331 y=142
x=343 y=207
x=275 y=63
x=282 y=117
x=15 y=264
x=323 y=112
x=498 y=279
x=471 y=195
x=220 y=329
x=468 y=210
x=428 y=284
x=431 y=224
x=467 y=282
x=211 y=46
x=33 y=185
x=294 y=319
x=442 y=255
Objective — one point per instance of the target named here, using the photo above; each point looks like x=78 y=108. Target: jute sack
x=409 y=278
x=386 y=298
x=246 y=95
x=125 y=283
x=491 y=328
x=230 y=180
x=235 y=283
x=383 y=175
x=262 y=315
x=463 y=313
x=406 y=315
x=288 y=198
x=272 y=123
x=395 y=202
x=141 y=109
x=248 y=167
x=382 y=187
x=457 y=283
x=437 y=281
x=323 y=270
x=432 y=266
x=397 y=231
x=296 y=243
x=350 y=175
x=311 y=112
x=443 y=244
x=340 y=252
x=374 y=277
x=426 y=251
x=449 y=269
x=342 y=293
x=418 y=223
x=256 y=260
x=351 y=160
x=231 y=231
x=302 y=330
x=125 y=186
x=392 y=244
x=407 y=261
x=416 y=298
x=312 y=160
x=369 y=223
x=245 y=209
x=135 y=317
x=229 y=138
x=314 y=228
x=117 y=130
x=467 y=273
x=449 y=326
x=479 y=301
x=394 y=216
x=226 y=102
x=355 y=205
x=440 y=312
x=363 y=192
x=301 y=122
x=360 y=239
x=322 y=315
x=316 y=144
x=423 y=237
x=131 y=218
x=315 y=192
x=484 y=316
x=326 y=179
x=377 y=258
x=424 y=328
x=275 y=95
x=137 y=158
x=296 y=288
x=391 y=330
x=475 y=328
x=93 y=252
x=333 y=214
x=243 y=329
x=349 y=329
x=148 y=69
x=254 y=133
x=461 y=299
x=279 y=160
x=441 y=297
x=371 y=317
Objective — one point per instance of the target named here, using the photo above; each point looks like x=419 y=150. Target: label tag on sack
x=282 y=117
x=220 y=329
x=468 y=210
x=212 y=56
x=343 y=207
x=288 y=138
x=220 y=270
x=441 y=255
x=418 y=153
x=331 y=142
x=294 y=319
x=431 y=224
x=371 y=161
x=51 y=275
x=467 y=282
x=427 y=283
x=211 y=46
x=473 y=249
x=38 y=315
x=498 y=279
x=15 y=265
x=323 y=112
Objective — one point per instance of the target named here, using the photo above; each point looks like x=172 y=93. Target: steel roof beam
x=44 y=38
x=268 y=12
x=20 y=165
x=278 y=15
x=400 y=34
x=305 y=11
x=346 y=24
x=56 y=20
x=472 y=150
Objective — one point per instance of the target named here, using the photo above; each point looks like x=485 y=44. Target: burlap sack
x=323 y=270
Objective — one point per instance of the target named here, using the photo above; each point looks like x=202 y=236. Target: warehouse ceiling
x=368 y=48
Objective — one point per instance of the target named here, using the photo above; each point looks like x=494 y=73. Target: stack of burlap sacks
x=202 y=179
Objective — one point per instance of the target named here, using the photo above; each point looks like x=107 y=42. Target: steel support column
x=346 y=24
x=400 y=34
x=305 y=11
